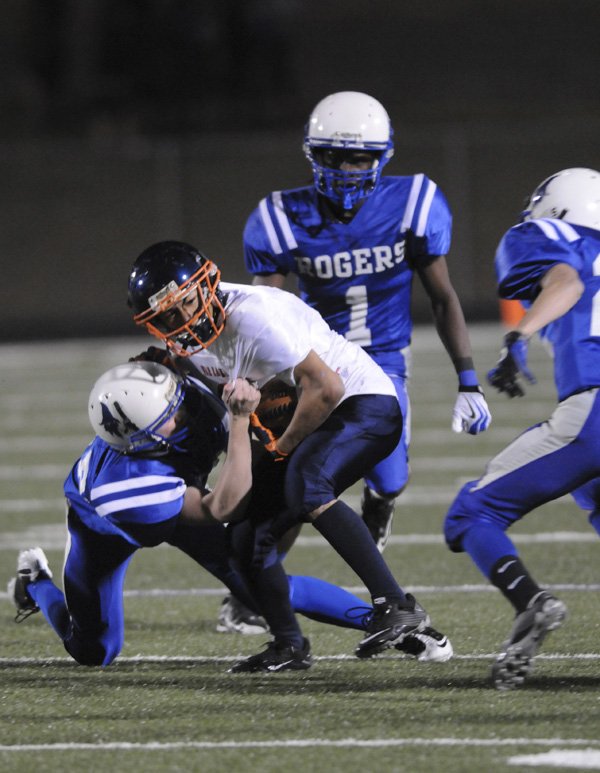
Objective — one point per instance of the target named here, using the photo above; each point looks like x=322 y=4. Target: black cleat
x=390 y=624
x=278 y=656
x=544 y=613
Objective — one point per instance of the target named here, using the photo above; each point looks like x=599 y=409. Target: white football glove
x=471 y=413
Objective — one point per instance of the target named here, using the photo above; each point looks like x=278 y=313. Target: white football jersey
x=269 y=331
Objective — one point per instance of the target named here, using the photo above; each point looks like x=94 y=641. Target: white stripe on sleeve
x=566 y=230
x=413 y=197
x=284 y=223
x=143 y=500
x=131 y=483
x=425 y=208
x=269 y=227
x=548 y=229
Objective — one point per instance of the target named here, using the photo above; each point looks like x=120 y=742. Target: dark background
x=127 y=122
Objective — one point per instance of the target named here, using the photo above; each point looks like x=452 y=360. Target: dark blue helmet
x=174 y=294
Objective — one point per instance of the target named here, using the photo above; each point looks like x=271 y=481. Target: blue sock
x=594 y=519
x=51 y=601
x=327 y=603
x=486 y=544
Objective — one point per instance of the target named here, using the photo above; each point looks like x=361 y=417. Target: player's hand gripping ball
x=277 y=405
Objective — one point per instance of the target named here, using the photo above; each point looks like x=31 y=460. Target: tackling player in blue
x=141 y=482
x=355 y=239
x=550 y=262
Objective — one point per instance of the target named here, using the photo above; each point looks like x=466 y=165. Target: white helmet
x=130 y=402
x=348 y=120
x=572 y=195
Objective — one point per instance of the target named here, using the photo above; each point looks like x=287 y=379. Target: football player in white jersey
x=347 y=419
x=355 y=239
x=142 y=481
x=550 y=262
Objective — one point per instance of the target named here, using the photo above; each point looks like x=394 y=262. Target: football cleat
x=235 y=617
x=378 y=514
x=278 y=656
x=427 y=646
x=544 y=613
x=390 y=624
x=32 y=565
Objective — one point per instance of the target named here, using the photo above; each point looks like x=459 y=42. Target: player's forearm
x=314 y=407
x=226 y=502
x=452 y=329
x=320 y=389
x=561 y=289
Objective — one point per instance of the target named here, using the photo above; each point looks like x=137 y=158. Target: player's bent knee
x=463 y=513
x=89 y=655
x=92 y=651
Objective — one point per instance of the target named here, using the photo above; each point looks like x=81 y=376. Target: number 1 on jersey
x=356 y=298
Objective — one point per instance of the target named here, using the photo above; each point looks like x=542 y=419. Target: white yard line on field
x=303 y=743
x=208 y=659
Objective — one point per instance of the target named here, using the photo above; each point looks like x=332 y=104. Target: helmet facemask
x=344 y=187
x=150 y=440
x=203 y=327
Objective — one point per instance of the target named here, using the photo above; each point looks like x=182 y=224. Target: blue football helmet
x=343 y=122
x=165 y=276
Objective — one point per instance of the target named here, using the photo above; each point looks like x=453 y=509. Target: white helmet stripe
x=269 y=227
x=284 y=223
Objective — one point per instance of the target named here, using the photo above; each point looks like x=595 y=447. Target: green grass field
x=169 y=704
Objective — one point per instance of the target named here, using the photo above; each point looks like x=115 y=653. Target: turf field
x=168 y=703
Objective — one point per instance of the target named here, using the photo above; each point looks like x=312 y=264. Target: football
x=277 y=405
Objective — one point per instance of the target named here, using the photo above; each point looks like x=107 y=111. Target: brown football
x=277 y=405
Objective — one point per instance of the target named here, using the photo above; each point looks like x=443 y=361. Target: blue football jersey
x=358 y=275
x=109 y=490
x=526 y=252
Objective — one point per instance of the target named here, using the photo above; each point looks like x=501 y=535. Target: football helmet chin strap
x=203 y=327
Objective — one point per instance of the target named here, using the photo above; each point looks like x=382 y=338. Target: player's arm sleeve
x=525 y=254
x=431 y=228
x=263 y=252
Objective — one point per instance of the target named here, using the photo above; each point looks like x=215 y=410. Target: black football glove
x=511 y=365
x=155 y=354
